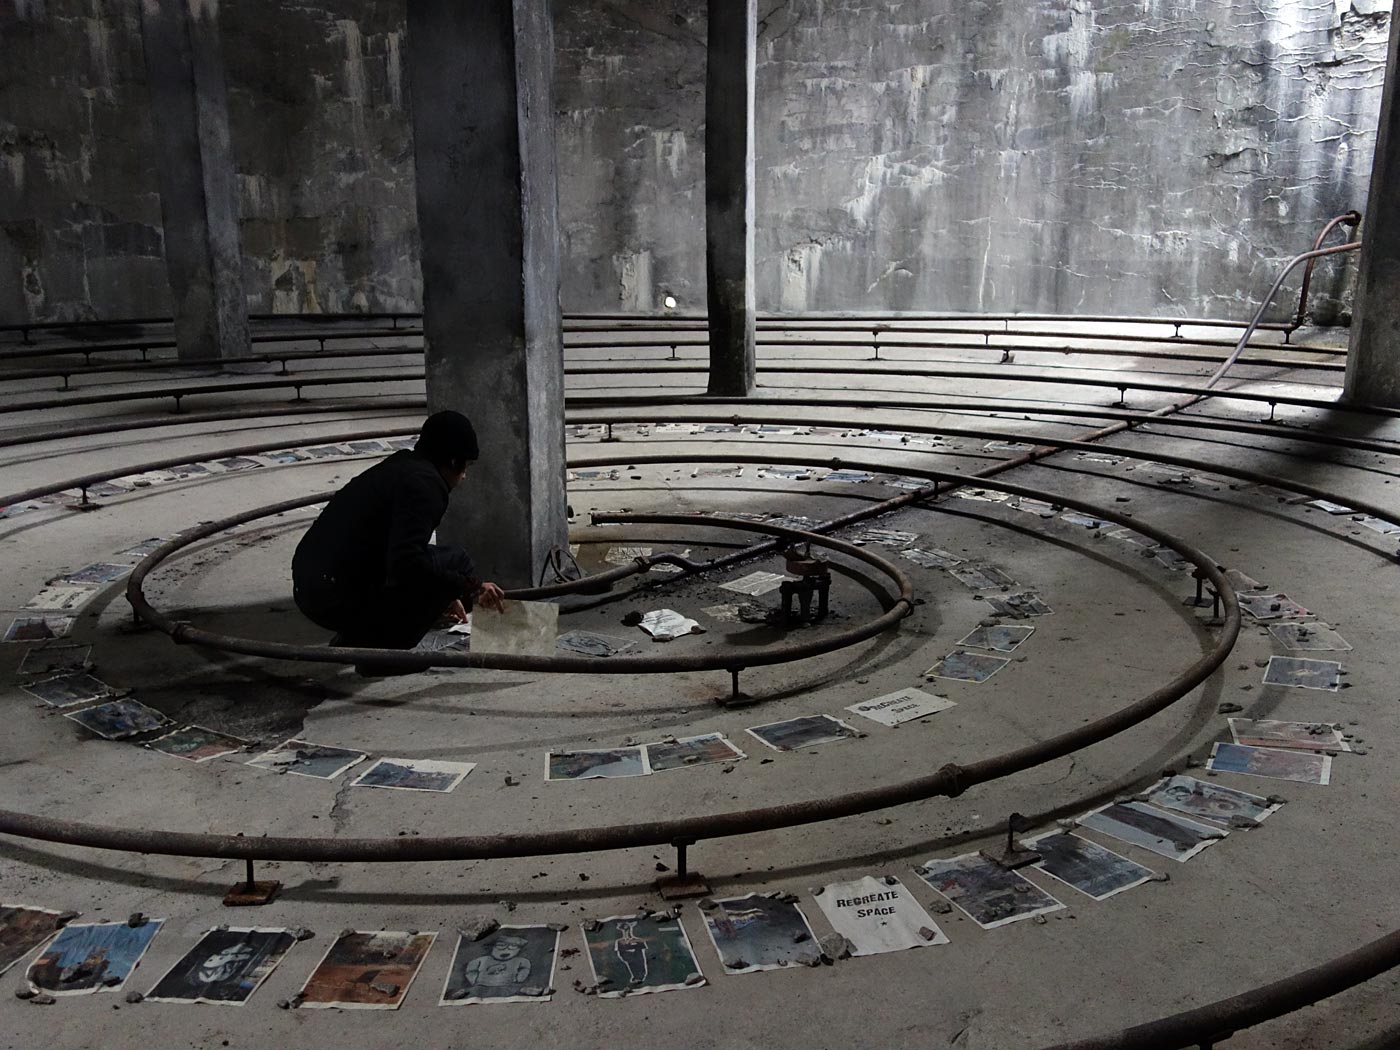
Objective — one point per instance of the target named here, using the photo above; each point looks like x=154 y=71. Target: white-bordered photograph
x=1166 y=834
x=988 y=894
x=413 y=774
x=1093 y=870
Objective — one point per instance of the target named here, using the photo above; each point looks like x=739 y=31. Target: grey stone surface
x=986 y=155
x=189 y=110
x=1373 y=367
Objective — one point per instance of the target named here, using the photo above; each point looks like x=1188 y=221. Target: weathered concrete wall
x=318 y=101
x=1060 y=155
x=1057 y=155
x=80 y=221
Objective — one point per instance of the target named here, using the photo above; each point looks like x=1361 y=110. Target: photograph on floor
x=1272 y=607
x=759 y=932
x=1019 y=606
x=688 y=751
x=414 y=774
x=1165 y=834
x=119 y=719
x=367 y=971
x=1301 y=637
x=197 y=744
x=1303 y=767
x=586 y=643
x=1004 y=638
x=807 y=731
x=91 y=957
x=62 y=598
x=1088 y=867
x=966 y=667
x=878 y=915
x=308 y=760
x=56 y=659
x=513 y=964
x=22 y=929
x=69 y=690
x=1298 y=673
x=1300 y=736
x=633 y=955
x=987 y=893
x=1210 y=800
x=225 y=967
x=598 y=763
x=38 y=628
x=982 y=578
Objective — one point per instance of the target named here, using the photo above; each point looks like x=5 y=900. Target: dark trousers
x=383 y=617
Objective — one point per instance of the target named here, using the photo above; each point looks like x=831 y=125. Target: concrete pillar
x=198 y=195
x=482 y=77
x=1373 y=364
x=729 y=167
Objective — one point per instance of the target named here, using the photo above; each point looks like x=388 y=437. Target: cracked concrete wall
x=1086 y=156
x=80 y=221
x=1144 y=156
x=321 y=140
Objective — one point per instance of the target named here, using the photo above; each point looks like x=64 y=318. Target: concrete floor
x=1312 y=882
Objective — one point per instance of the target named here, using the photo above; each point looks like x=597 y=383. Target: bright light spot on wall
x=669 y=302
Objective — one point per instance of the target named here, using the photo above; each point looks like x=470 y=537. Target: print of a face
x=224 y=964
x=506 y=948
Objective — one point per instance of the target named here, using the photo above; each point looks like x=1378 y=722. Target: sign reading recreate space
x=903 y=706
x=878 y=915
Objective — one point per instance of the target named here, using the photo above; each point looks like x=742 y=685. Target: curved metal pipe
x=1316 y=253
x=1348 y=218
x=951 y=780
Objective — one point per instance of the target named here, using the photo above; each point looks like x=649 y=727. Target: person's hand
x=491 y=597
x=456 y=612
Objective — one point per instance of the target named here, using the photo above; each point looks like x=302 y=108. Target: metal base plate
x=742 y=700
x=1198 y=603
x=248 y=894
x=1012 y=858
x=681 y=887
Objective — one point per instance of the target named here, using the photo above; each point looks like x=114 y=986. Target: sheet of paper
x=524 y=629
x=512 y=964
x=989 y=894
x=1166 y=834
x=366 y=971
x=1301 y=736
x=902 y=706
x=635 y=955
x=878 y=915
x=1088 y=867
x=1209 y=800
x=225 y=967
x=1304 y=767
x=664 y=625
x=755 y=584
x=758 y=932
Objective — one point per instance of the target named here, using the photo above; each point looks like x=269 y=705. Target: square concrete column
x=1373 y=363
x=729 y=209
x=198 y=194
x=482 y=78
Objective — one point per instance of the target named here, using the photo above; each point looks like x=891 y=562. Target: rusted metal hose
x=1348 y=218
